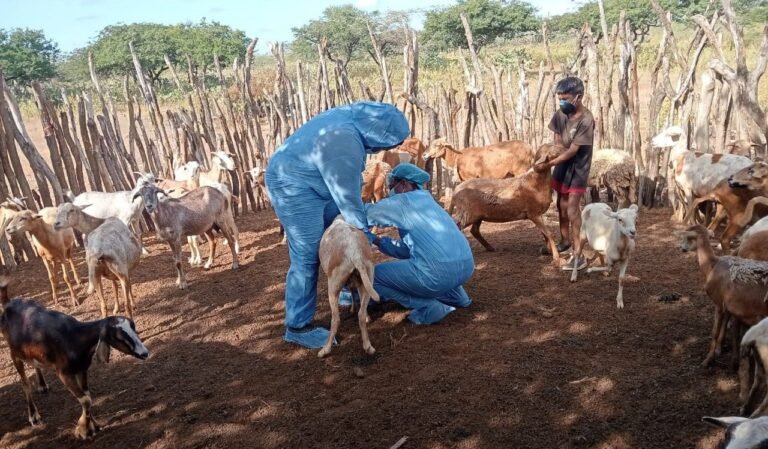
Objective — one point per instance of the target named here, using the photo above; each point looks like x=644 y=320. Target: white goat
x=741 y=433
x=754 y=364
x=612 y=236
x=187 y=171
x=347 y=260
x=124 y=205
x=696 y=174
x=195 y=258
x=191 y=215
x=111 y=251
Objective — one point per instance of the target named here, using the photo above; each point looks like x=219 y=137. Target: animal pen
x=714 y=101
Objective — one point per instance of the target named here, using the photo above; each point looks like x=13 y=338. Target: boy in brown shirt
x=573 y=126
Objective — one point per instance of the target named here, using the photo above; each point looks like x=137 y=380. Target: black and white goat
x=47 y=338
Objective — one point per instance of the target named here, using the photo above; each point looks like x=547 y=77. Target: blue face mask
x=567 y=107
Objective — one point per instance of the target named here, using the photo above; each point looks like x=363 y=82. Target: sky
x=73 y=23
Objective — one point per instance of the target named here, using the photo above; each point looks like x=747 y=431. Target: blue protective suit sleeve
x=394 y=248
x=389 y=213
x=340 y=162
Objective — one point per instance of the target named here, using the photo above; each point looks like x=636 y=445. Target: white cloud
x=366 y=4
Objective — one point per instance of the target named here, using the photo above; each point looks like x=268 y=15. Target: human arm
x=389 y=213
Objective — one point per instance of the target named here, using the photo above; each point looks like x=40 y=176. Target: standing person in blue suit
x=315 y=175
x=435 y=257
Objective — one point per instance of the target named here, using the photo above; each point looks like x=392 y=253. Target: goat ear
x=724 y=422
x=610 y=214
x=136 y=195
x=633 y=207
x=102 y=351
x=37 y=217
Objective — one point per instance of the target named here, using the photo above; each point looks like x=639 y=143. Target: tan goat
x=735 y=285
x=415 y=148
x=347 y=260
x=501 y=160
x=111 y=251
x=375 y=181
x=54 y=247
x=8 y=209
x=527 y=196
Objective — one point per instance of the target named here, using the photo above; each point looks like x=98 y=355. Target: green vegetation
x=27 y=55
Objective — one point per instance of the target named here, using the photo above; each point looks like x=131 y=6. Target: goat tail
x=93 y=260
x=366 y=276
x=747 y=349
x=4 y=281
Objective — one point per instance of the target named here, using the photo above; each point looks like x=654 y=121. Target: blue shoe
x=430 y=314
x=309 y=336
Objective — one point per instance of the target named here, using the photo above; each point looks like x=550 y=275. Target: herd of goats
x=494 y=183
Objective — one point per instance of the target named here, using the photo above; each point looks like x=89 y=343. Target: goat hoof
x=370 y=350
x=235 y=266
x=35 y=420
x=42 y=389
x=181 y=285
x=207 y=266
x=323 y=352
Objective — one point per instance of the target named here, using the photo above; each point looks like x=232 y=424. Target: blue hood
x=380 y=125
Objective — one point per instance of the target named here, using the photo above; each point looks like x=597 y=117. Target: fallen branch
x=399 y=443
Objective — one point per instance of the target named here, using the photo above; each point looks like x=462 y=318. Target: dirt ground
x=535 y=362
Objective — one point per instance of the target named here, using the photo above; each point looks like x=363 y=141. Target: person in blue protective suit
x=435 y=257
x=315 y=175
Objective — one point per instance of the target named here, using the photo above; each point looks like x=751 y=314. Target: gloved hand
x=371 y=236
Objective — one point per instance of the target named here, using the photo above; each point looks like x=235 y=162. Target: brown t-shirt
x=572 y=176
x=579 y=130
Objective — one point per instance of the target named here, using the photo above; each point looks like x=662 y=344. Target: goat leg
x=72 y=294
x=74 y=270
x=548 y=236
x=52 y=279
x=116 y=309
x=762 y=352
x=77 y=385
x=181 y=281
x=42 y=386
x=620 y=295
x=475 y=231
x=334 y=289
x=32 y=413
x=212 y=249
x=362 y=318
x=713 y=342
x=126 y=286
x=577 y=250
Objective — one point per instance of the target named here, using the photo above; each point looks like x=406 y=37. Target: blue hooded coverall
x=436 y=259
x=315 y=175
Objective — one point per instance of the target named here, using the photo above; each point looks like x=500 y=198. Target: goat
x=190 y=215
x=195 y=258
x=186 y=171
x=741 y=433
x=415 y=148
x=500 y=160
x=51 y=339
x=754 y=363
x=696 y=174
x=615 y=170
x=54 y=247
x=754 y=241
x=734 y=195
x=612 y=236
x=124 y=205
x=257 y=176
x=8 y=209
x=111 y=251
x=347 y=260
x=503 y=200
x=375 y=181
x=735 y=285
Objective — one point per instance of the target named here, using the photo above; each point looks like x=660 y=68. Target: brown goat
x=54 y=247
x=375 y=181
x=347 y=260
x=415 y=148
x=527 y=196
x=501 y=160
x=735 y=285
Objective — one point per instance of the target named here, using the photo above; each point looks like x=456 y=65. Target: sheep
x=754 y=363
x=54 y=247
x=347 y=260
x=742 y=433
x=527 y=196
x=500 y=160
x=735 y=285
x=111 y=251
x=124 y=205
x=375 y=181
x=612 y=236
x=615 y=170
x=696 y=174
x=190 y=215
x=51 y=339
x=8 y=209
x=733 y=195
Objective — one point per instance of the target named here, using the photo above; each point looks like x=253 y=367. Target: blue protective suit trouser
x=305 y=215
x=430 y=296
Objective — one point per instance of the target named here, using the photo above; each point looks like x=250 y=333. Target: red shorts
x=565 y=190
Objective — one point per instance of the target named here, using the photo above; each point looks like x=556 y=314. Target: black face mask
x=567 y=107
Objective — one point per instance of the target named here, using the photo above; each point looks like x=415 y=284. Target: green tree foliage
x=490 y=20
x=27 y=55
x=152 y=41
x=752 y=11
x=639 y=12
x=345 y=30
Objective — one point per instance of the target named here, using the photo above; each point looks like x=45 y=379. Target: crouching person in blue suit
x=435 y=258
x=315 y=175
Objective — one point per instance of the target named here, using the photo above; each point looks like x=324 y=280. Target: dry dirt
x=535 y=362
